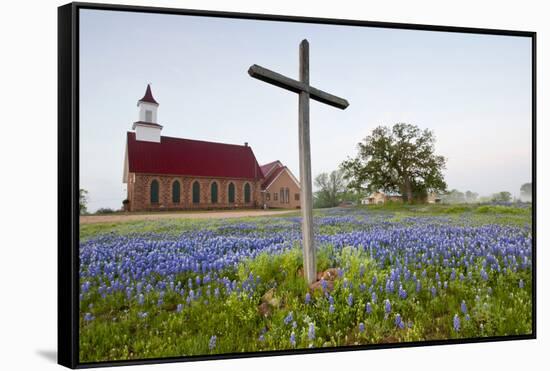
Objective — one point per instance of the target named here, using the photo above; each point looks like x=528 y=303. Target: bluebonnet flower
x=212 y=342
x=456 y=323
x=308 y=298
x=88 y=317
x=362 y=287
x=467 y=318
x=374 y=280
x=141 y=299
x=373 y=297
x=311 y=331
x=179 y=308
x=368 y=308
x=434 y=291
x=324 y=284
x=521 y=284
x=361 y=327
x=402 y=292
x=143 y=314
x=292 y=339
x=418 y=286
x=484 y=275
x=387 y=306
x=331 y=308
x=350 y=300
x=463 y=307
x=331 y=299
x=288 y=319
x=398 y=321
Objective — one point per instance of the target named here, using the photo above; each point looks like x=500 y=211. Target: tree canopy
x=331 y=188
x=526 y=192
x=83 y=201
x=502 y=197
x=397 y=159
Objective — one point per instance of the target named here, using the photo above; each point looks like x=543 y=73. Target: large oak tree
x=397 y=159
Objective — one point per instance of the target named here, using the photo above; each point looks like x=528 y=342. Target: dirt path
x=115 y=218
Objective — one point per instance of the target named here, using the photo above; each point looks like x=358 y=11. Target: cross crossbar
x=274 y=78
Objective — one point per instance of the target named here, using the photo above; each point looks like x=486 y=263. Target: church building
x=166 y=173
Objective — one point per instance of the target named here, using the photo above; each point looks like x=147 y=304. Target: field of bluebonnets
x=194 y=287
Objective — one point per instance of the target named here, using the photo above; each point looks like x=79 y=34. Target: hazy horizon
x=473 y=91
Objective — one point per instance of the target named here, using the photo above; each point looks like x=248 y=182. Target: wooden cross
x=305 y=92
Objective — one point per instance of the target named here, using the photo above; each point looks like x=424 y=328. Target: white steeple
x=147 y=128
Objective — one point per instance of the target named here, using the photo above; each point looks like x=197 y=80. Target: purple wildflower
x=311 y=331
x=387 y=306
x=288 y=318
x=463 y=307
x=350 y=300
x=212 y=342
x=456 y=323
x=368 y=308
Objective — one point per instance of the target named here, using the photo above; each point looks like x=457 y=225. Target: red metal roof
x=178 y=156
x=270 y=166
x=267 y=181
x=148 y=97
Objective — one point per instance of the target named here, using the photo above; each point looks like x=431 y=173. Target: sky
x=473 y=91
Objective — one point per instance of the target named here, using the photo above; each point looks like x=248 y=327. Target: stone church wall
x=139 y=193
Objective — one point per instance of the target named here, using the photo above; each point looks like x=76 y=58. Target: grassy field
x=392 y=274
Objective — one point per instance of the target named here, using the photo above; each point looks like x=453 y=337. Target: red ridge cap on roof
x=148 y=97
x=267 y=168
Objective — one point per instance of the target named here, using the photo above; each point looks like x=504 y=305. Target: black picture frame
x=68 y=177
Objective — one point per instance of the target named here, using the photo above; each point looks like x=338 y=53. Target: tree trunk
x=408 y=190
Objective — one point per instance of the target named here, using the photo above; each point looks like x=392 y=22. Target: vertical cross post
x=305 y=92
x=306 y=199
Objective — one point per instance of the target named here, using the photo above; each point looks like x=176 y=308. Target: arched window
x=176 y=192
x=247 y=193
x=196 y=192
x=282 y=195
x=155 y=192
x=214 y=192
x=231 y=193
x=287 y=195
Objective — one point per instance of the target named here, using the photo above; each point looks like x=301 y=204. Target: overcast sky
x=473 y=91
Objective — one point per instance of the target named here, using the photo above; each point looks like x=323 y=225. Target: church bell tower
x=147 y=128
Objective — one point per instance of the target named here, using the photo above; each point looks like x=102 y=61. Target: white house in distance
x=380 y=198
